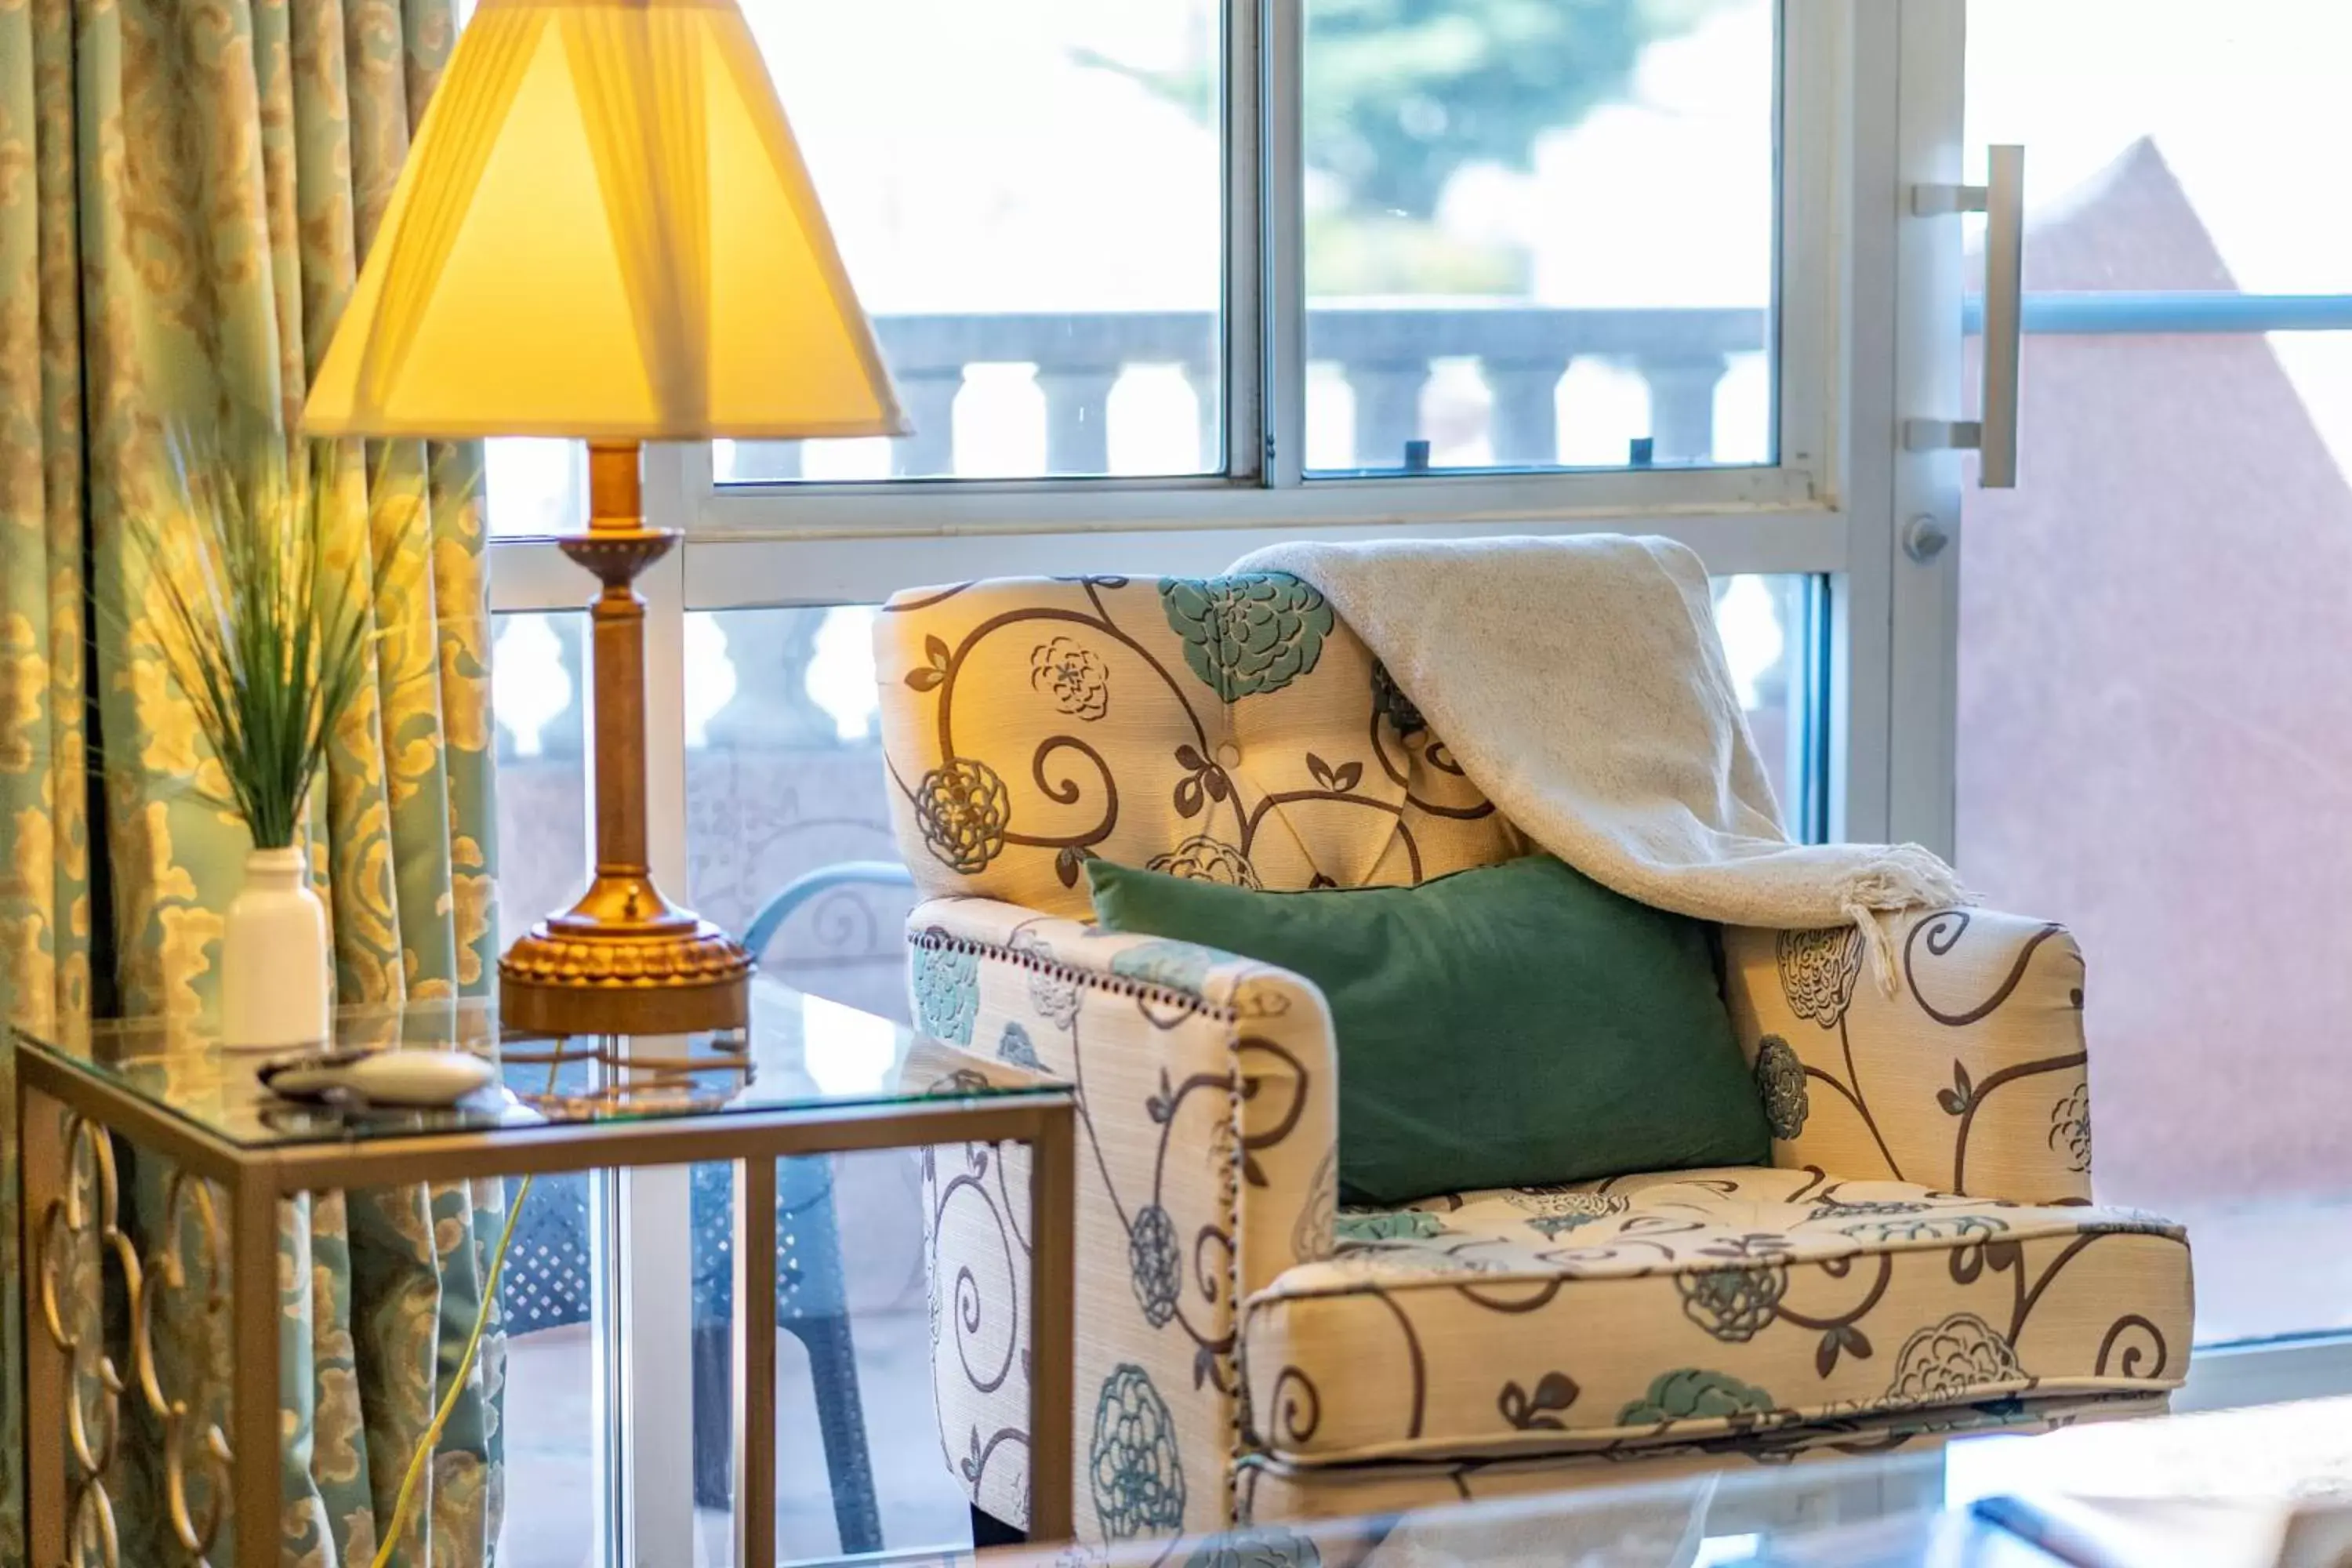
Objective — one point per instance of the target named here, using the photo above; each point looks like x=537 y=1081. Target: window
x=1493 y=279
x=1254 y=261
x=539 y=673
x=1049 y=297
x=784 y=790
x=1773 y=638
x=1056 y=305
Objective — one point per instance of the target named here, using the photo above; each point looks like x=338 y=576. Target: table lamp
x=606 y=231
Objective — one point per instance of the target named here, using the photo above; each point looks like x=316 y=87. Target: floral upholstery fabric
x=1227 y=728
x=1234 y=729
x=1658 y=1309
x=1205 y=1162
x=1973 y=1077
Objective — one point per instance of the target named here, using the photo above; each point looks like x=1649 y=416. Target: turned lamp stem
x=617 y=506
x=622 y=960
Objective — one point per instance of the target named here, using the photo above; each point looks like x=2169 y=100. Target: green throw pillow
x=1509 y=1026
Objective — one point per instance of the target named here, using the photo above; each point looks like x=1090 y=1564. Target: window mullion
x=656 y=1253
x=1245 y=378
x=1282 y=275
x=1810 y=268
x=691 y=467
x=532 y=575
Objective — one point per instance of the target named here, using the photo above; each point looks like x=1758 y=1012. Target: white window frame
x=1822 y=509
x=1922 y=672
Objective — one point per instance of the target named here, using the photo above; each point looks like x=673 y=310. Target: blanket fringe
x=1900 y=876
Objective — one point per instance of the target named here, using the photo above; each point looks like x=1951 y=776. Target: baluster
x=1207 y=392
x=561 y=735
x=1681 y=403
x=771 y=650
x=1077 y=416
x=930 y=397
x=1388 y=408
x=1525 y=421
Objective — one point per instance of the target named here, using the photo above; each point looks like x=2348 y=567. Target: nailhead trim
x=1096 y=979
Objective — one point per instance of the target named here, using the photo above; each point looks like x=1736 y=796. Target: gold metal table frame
x=70 y=1194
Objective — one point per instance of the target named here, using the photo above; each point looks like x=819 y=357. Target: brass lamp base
x=578 y=974
x=623 y=960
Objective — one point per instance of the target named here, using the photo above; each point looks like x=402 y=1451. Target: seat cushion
x=1672 y=1308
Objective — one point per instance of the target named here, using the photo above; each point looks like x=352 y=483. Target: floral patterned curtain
x=185 y=187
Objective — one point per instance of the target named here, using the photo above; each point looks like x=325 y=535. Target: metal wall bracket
x=1934 y=201
x=1943 y=435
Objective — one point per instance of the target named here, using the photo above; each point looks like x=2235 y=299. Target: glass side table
x=786 y=1086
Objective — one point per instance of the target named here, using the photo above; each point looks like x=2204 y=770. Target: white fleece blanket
x=1580 y=684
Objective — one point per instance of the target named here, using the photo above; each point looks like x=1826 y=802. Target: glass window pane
x=785 y=799
x=1503 y=199
x=2152 y=726
x=554 y=1485
x=785 y=778
x=2174 y=106
x=1771 y=628
x=1030 y=201
x=537 y=676
x=534 y=485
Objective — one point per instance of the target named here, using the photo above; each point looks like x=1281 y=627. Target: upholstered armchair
x=1920 y=1258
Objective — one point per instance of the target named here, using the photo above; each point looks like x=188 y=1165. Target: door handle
x=2003 y=201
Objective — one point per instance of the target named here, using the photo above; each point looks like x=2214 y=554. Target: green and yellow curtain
x=185 y=189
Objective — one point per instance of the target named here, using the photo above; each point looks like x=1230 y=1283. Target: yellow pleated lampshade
x=603 y=230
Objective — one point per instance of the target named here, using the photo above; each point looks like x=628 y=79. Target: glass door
x=2150 y=665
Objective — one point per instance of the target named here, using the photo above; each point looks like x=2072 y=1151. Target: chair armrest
x=1208 y=1101
x=1972 y=1077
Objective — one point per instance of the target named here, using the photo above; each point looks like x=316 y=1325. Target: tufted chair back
x=1228 y=728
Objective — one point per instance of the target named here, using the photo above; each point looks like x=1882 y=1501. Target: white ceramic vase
x=274 y=958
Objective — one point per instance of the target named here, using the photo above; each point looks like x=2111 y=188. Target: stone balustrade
x=1384 y=350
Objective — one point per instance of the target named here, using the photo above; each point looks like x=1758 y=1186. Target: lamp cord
x=431 y=1438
